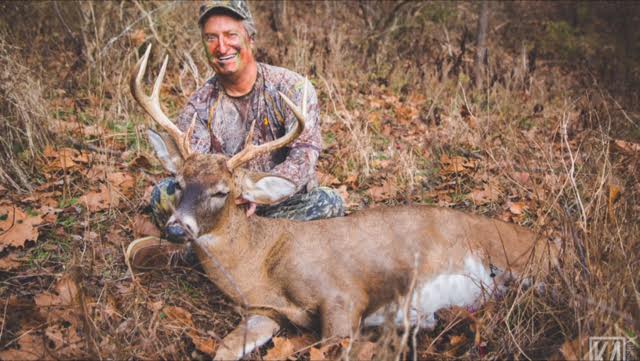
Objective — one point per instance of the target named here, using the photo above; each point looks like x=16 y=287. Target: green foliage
x=68 y=202
x=561 y=40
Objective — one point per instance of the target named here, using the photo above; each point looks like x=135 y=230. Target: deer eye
x=218 y=194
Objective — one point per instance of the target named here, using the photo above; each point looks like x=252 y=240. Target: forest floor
x=538 y=146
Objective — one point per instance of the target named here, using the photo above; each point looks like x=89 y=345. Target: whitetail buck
x=331 y=273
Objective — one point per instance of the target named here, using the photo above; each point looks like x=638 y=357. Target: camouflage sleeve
x=300 y=164
x=200 y=140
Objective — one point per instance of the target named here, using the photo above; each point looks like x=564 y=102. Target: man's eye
x=211 y=38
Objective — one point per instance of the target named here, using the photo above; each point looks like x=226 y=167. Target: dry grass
x=397 y=95
x=23 y=120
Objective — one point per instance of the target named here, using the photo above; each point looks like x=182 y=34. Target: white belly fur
x=464 y=288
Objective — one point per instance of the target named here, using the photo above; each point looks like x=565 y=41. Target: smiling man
x=241 y=91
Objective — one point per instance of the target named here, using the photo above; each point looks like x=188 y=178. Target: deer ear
x=264 y=188
x=166 y=151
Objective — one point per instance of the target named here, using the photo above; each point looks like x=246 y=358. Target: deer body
x=359 y=263
x=334 y=273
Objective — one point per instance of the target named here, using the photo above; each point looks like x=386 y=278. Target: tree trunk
x=481 y=44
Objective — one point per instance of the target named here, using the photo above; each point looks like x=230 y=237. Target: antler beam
x=151 y=104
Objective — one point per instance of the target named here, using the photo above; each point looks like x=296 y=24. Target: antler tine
x=155 y=94
x=151 y=104
x=251 y=151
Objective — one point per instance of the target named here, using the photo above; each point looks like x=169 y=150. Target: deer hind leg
x=251 y=334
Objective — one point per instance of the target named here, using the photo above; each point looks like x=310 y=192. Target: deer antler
x=251 y=151
x=151 y=104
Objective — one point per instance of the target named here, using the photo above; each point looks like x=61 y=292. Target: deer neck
x=232 y=252
x=234 y=236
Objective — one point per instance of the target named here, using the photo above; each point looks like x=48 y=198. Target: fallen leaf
x=31 y=347
x=46 y=300
x=137 y=37
x=96 y=201
x=457 y=340
x=66 y=341
x=10 y=261
x=281 y=350
x=345 y=343
x=16 y=227
x=67 y=291
x=628 y=147
x=140 y=162
x=115 y=236
x=143 y=226
x=386 y=191
x=570 y=350
x=60 y=126
x=614 y=193
x=49 y=213
x=63 y=159
x=178 y=314
x=97 y=173
x=93 y=130
x=352 y=181
x=451 y=165
x=366 y=350
x=483 y=196
x=155 y=306
x=523 y=178
x=517 y=207
x=206 y=345
x=316 y=354
x=327 y=179
x=342 y=190
x=124 y=182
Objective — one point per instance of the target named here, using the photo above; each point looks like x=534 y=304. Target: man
x=242 y=91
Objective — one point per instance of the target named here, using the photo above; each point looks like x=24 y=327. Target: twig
x=513 y=337
x=128 y=28
x=55 y=5
x=572 y=171
x=93 y=148
x=4 y=317
x=151 y=26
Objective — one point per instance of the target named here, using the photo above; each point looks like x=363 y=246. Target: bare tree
x=481 y=43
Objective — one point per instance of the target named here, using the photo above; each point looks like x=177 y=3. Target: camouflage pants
x=321 y=202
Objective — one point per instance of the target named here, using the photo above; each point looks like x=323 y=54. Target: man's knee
x=320 y=203
x=329 y=203
x=163 y=198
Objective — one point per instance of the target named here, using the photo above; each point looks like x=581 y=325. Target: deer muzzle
x=181 y=228
x=176 y=233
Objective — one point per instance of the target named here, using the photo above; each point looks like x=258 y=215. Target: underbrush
x=402 y=124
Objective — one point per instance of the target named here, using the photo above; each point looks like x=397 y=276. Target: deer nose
x=176 y=234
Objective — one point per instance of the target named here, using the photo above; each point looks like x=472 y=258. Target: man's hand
x=252 y=206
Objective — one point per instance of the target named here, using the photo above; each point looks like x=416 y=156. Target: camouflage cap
x=237 y=7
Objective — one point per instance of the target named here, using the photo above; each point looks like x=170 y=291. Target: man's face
x=228 y=45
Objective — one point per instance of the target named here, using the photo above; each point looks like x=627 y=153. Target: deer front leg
x=251 y=334
x=340 y=317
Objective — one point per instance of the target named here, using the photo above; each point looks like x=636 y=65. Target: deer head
x=208 y=183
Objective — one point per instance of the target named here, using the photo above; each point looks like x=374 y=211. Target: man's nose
x=222 y=46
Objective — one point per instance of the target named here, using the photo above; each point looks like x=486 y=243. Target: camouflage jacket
x=226 y=120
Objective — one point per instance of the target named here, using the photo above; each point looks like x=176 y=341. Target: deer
x=332 y=275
